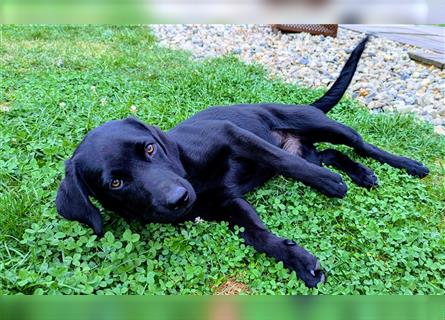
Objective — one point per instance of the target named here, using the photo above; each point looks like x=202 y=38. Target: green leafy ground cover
x=57 y=83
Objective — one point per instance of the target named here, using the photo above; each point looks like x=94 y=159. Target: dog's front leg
x=239 y=212
x=244 y=144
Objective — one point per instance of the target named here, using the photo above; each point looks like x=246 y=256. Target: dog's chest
x=288 y=142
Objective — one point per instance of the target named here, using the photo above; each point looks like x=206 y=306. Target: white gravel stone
x=406 y=108
x=392 y=81
x=440 y=130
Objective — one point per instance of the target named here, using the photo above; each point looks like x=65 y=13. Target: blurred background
x=225 y=308
x=222 y=11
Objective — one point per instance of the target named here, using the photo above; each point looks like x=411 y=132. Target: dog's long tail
x=335 y=93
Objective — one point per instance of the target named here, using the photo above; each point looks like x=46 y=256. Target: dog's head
x=130 y=168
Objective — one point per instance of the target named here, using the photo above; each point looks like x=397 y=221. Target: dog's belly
x=288 y=142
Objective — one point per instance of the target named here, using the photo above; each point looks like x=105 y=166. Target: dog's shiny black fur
x=204 y=166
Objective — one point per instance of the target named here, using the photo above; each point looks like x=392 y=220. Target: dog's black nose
x=177 y=198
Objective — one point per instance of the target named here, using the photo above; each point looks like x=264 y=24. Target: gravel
x=386 y=79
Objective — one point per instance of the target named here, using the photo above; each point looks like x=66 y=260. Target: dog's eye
x=116 y=184
x=150 y=149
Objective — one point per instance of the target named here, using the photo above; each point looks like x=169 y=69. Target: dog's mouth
x=186 y=206
x=186 y=209
x=184 y=203
x=166 y=214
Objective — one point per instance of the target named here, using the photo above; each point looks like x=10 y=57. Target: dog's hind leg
x=238 y=212
x=361 y=175
x=338 y=133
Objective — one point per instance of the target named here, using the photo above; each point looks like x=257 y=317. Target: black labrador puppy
x=204 y=166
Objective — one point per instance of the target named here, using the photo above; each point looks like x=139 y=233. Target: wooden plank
x=440 y=31
x=426 y=37
x=388 y=29
x=430 y=44
x=428 y=58
x=415 y=29
x=411 y=29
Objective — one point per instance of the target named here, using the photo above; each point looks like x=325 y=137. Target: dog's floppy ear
x=72 y=200
x=169 y=145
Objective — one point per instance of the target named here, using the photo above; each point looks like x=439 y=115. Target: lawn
x=57 y=83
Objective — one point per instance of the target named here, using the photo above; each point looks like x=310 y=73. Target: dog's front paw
x=313 y=277
x=305 y=265
x=364 y=177
x=416 y=169
x=333 y=186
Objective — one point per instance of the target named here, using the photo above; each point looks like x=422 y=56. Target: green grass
x=57 y=83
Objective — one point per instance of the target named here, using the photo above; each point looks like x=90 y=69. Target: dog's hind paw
x=417 y=169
